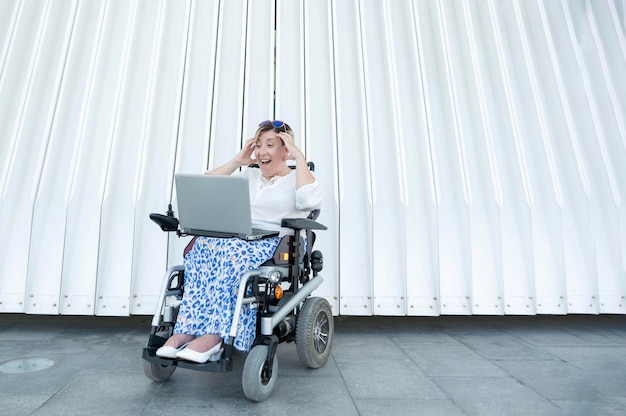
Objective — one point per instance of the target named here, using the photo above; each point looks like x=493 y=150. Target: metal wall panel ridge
x=55 y=159
x=93 y=86
x=118 y=169
x=605 y=148
x=158 y=140
x=30 y=80
x=414 y=123
x=354 y=162
x=194 y=128
x=386 y=167
x=471 y=153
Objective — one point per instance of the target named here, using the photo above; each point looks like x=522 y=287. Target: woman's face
x=270 y=153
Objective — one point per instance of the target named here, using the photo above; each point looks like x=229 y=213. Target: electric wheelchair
x=280 y=288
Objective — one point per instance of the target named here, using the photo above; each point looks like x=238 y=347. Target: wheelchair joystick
x=167 y=222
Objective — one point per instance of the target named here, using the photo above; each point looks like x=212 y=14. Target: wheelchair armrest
x=166 y=222
x=302 y=224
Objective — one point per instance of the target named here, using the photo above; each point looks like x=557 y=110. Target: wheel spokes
x=321 y=330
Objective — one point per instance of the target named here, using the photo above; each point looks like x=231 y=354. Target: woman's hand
x=303 y=174
x=293 y=153
x=244 y=157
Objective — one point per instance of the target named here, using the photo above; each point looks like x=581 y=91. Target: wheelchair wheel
x=257 y=386
x=314 y=332
x=157 y=372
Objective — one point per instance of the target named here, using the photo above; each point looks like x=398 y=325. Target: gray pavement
x=532 y=365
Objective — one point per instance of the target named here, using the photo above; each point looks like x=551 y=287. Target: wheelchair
x=280 y=289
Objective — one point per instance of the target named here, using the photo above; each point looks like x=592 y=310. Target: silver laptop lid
x=213 y=203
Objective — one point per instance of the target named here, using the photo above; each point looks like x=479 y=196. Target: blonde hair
x=269 y=126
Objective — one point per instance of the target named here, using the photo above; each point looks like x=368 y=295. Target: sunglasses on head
x=277 y=124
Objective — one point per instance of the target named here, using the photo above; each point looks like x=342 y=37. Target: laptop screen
x=218 y=203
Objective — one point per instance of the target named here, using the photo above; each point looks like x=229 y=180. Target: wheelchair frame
x=293 y=317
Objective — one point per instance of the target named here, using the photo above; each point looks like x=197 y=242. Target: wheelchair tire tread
x=314 y=332
x=255 y=386
x=157 y=372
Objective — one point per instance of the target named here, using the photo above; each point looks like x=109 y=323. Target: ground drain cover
x=26 y=365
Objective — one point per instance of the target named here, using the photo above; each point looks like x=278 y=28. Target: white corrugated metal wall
x=472 y=152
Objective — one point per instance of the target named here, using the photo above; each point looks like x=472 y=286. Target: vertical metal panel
x=290 y=58
x=355 y=189
x=320 y=131
x=387 y=170
x=82 y=218
x=194 y=130
x=601 y=130
x=414 y=118
x=54 y=159
x=131 y=101
x=577 y=238
x=228 y=87
x=158 y=136
x=45 y=274
x=21 y=77
x=545 y=182
x=258 y=100
x=534 y=175
x=610 y=37
x=304 y=94
x=448 y=163
x=9 y=12
x=486 y=194
x=516 y=239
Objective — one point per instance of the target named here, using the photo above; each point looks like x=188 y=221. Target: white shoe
x=213 y=354
x=169 y=352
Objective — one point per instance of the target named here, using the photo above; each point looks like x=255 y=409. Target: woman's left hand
x=293 y=153
x=303 y=174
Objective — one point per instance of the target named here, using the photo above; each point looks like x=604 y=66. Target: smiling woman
x=214 y=266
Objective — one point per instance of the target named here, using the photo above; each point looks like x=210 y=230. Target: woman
x=214 y=266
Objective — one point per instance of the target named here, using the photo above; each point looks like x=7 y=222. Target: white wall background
x=472 y=152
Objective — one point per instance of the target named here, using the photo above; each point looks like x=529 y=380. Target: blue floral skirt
x=213 y=269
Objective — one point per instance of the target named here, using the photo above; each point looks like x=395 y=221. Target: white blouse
x=278 y=199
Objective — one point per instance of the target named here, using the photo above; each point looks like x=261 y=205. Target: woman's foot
x=178 y=340
x=174 y=345
x=204 y=343
x=214 y=354
x=202 y=349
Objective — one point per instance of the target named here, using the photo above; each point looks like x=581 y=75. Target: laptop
x=216 y=206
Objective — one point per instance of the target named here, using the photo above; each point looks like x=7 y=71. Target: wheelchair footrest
x=221 y=366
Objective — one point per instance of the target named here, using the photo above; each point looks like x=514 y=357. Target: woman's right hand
x=244 y=157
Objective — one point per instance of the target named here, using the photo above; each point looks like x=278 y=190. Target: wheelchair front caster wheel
x=314 y=332
x=157 y=372
x=257 y=384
